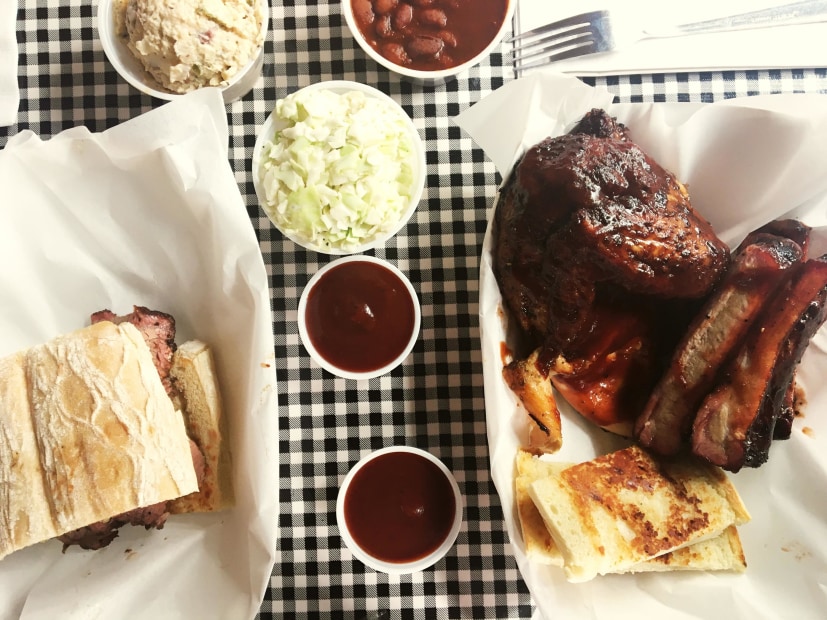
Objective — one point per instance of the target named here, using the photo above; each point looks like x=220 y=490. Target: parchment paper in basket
x=745 y=162
x=147 y=213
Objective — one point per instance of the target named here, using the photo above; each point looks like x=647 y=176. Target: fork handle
x=804 y=12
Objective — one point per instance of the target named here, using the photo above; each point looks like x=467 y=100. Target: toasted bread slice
x=193 y=373
x=618 y=510
x=539 y=545
x=722 y=553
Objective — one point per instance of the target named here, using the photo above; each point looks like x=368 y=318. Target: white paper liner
x=9 y=90
x=745 y=161
x=147 y=213
x=790 y=46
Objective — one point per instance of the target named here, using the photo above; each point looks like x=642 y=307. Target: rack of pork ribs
x=629 y=304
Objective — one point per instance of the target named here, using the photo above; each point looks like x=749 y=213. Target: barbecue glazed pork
x=534 y=391
x=591 y=234
x=583 y=212
x=735 y=424
x=759 y=267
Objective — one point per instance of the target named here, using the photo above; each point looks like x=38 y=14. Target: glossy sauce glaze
x=360 y=316
x=429 y=35
x=400 y=507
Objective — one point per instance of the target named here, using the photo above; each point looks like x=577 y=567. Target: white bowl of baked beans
x=428 y=40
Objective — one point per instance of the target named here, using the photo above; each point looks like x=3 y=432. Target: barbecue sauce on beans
x=400 y=507
x=429 y=35
x=360 y=316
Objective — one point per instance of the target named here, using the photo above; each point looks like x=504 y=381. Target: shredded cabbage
x=341 y=172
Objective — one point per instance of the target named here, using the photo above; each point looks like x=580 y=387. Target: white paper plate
x=745 y=162
x=147 y=213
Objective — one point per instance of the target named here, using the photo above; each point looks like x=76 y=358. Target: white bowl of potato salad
x=166 y=48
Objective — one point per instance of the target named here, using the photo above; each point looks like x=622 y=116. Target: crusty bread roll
x=102 y=435
x=25 y=515
x=193 y=374
x=614 y=512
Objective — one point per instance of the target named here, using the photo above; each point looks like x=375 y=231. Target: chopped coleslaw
x=340 y=171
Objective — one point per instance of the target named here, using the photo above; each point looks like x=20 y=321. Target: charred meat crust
x=591 y=236
x=599 y=124
x=784 y=422
x=586 y=224
x=530 y=383
x=582 y=211
x=735 y=424
x=759 y=267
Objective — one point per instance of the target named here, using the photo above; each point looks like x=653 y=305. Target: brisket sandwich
x=105 y=426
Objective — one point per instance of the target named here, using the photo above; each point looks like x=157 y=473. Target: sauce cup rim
x=401 y=568
x=305 y=336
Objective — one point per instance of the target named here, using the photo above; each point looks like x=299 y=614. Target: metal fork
x=604 y=31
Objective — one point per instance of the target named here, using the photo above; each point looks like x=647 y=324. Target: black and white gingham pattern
x=435 y=400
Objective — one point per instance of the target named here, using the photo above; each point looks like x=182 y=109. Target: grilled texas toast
x=721 y=553
x=616 y=511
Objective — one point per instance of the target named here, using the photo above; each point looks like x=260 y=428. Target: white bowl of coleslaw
x=339 y=167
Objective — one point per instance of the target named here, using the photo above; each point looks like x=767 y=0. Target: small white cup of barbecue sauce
x=359 y=317
x=399 y=510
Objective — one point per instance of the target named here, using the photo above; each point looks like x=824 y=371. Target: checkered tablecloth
x=435 y=400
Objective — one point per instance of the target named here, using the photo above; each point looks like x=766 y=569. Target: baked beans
x=429 y=35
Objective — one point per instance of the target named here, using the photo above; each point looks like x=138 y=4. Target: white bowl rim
x=268 y=130
x=419 y=74
x=305 y=337
x=108 y=40
x=401 y=568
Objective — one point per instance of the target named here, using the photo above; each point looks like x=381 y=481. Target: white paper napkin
x=798 y=46
x=147 y=213
x=9 y=90
x=745 y=161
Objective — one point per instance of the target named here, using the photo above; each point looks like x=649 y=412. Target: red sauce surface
x=399 y=507
x=360 y=316
x=429 y=35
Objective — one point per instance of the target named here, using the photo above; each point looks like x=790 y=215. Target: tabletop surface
x=435 y=399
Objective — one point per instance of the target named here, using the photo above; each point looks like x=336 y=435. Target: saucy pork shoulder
x=598 y=255
x=633 y=309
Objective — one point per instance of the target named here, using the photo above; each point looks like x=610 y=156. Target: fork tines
x=567 y=38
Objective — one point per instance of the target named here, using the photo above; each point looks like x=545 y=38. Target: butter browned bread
x=617 y=511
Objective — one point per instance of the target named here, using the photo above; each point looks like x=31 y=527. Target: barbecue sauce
x=360 y=316
x=400 y=507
